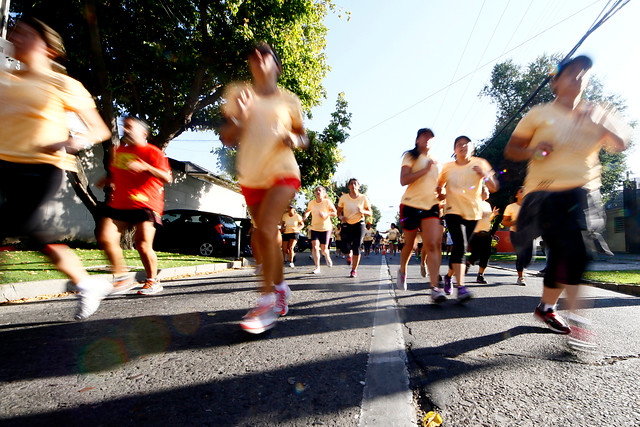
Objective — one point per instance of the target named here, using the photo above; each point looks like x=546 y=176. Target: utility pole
x=6 y=49
x=4 y=10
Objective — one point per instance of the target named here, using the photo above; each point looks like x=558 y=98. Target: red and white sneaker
x=281 y=307
x=261 y=317
x=553 y=321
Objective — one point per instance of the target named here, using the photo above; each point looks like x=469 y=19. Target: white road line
x=387 y=399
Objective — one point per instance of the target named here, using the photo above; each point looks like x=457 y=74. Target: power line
x=614 y=9
x=453 y=76
x=470 y=73
x=466 y=89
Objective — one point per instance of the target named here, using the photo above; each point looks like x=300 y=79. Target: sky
x=410 y=64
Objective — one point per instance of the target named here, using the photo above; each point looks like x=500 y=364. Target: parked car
x=303 y=243
x=192 y=231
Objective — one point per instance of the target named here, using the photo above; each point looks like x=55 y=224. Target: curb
x=633 y=290
x=23 y=290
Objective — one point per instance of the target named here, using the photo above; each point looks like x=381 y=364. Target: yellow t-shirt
x=350 y=207
x=262 y=157
x=33 y=115
x=484 y=223
x=392 y=233
x=421 y=193
x=317 y=222
x=368 y=234
x=292 y=224
x=464 y=187
x=576 y=144
x=512 y=211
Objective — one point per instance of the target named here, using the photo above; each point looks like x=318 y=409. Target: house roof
x=196 y=171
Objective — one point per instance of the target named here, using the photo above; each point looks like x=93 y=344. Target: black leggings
x=455 y=224
x=522 y=258
x=352 y=235
x=480 y=248
x=24 y=189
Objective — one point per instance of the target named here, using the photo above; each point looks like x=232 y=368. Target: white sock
x=546 y=307
x=282 y=286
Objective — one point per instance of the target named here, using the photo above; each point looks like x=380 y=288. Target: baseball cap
x=584 y=61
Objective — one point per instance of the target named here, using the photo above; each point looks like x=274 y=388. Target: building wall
x=67 y=217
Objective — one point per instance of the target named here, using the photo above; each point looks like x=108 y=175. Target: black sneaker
x=554 y=322
x=481 y=279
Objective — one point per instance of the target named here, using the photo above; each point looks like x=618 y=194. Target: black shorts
x=411 y=217
x=322 y=236
x=290 y=236
x=24 y=190
x=132 y=216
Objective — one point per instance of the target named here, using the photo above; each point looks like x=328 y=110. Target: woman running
x=34 y=145
x=352 y=208
x=265 y=122
x=561 y=140
x=321 y=210
x=480 y=242
x=393 y=234
x=368 y=239
x=292 y=223
x=509 y=219
x=420 y=212
x=462 y=181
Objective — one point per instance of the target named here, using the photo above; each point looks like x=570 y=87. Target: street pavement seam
x=387 y=397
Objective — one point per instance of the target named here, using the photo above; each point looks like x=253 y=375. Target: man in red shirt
x=137 y=174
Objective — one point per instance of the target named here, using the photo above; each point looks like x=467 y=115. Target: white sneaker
x=316 y=270
x=401 y=281
x=329 y=262
x=292 y=265
x=521 y=281
x=92 y=291
x=262 y=317
x=281 y=307
x=437 y=296
x=151 y=287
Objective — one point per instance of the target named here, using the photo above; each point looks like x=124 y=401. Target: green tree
x=509 y=87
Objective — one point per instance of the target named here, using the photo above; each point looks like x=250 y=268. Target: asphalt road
x=180 y=358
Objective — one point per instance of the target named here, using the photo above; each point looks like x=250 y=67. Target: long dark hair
x=415 y=152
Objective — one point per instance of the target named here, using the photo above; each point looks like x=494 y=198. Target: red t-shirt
x=132 y=190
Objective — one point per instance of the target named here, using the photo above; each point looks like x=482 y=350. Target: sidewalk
x=24 y=290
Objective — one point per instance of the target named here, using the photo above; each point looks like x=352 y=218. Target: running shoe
x=123 y=284
x=281 y=307
x=349 y=260
x=151 y=287
x=353 y=273
x=447 y=285
x=261 y=317
x=92 y=291
x=292 y=265
x=464 y=294
x=480 y=279
x=423 y=270
x=329 y=262
x=437 y=296
x=521 y=281
x=554 y=322
x=581 y=337
x=401 y=281
x=316 y=270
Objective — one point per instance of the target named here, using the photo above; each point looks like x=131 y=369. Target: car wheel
x=206 y=249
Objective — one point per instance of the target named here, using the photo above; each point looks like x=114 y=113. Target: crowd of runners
x=559 y=201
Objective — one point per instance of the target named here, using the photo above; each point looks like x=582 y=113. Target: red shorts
x=254 y=196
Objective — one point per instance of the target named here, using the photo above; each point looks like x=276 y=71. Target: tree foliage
x=509 y=87
x=168 y=60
